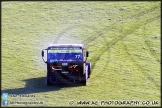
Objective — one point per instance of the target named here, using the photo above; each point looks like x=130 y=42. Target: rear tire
x=89 y=68
x=84 y=79
x=48 y=83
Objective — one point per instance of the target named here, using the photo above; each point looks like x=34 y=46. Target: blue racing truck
x=66 y=63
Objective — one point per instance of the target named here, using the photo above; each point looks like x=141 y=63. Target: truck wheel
x=89 y=68
x=48 y=83
x=84 y=79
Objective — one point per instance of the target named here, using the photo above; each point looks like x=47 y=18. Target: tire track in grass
x=140 y=67
x=114 y=41
x=134 y=61
x=100 y=33
x=146 y=43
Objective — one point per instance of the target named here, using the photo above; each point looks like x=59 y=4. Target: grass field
x=123 y=39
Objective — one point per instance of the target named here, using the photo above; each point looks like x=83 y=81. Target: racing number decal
x=77 y=56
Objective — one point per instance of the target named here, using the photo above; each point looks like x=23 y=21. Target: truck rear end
x=66 y=64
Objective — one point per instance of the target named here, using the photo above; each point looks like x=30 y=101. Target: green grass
x=125 y=56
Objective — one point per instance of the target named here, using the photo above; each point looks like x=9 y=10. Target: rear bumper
x=60 y=79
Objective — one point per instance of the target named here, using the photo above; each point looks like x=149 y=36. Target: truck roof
x=66 y=45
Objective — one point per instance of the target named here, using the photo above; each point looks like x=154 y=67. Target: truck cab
x=66 y=63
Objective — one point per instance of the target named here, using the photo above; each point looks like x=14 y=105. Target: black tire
x=89 y=68
x=84 y=79
x=48 y=83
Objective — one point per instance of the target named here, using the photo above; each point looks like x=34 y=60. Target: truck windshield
x=55 y=55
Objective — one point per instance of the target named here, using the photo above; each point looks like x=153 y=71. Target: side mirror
x=87 y=53
x=42 y=53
